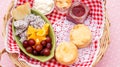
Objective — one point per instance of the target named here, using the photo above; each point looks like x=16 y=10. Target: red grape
x=39 y=47
x=25 y=43
x=31 y=42
x=46 y=52
x=48 y=39
x=49 y=45
x=35 y=52
x=42 y=52
x=43 y=42
x=29 y=49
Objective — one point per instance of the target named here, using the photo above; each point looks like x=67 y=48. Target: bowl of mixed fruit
x=33 y=33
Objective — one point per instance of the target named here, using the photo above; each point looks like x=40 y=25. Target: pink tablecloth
x=111 y=57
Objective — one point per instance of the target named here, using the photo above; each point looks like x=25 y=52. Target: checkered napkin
x=95 y=22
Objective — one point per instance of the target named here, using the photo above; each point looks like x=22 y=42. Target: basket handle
x=6 y=17
x=2 y=52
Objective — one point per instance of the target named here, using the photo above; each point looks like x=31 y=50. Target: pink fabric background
x=112 y=55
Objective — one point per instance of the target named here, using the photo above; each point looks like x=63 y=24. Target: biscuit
x=21 y=11
x=80 y=35
x=66 y=53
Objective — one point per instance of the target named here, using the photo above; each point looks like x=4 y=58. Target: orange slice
x=40 y=32
x=31 y=30
x=46 y=28
x=43 y=31
x=32 y=36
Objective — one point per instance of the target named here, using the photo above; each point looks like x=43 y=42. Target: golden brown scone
x=21 y=11
x=80 y=35
x=66 y=53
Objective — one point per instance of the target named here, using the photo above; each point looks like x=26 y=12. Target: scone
x=80 y=35
x=66 y=53
x=21 y=11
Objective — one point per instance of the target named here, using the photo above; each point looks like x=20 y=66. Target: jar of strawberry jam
x=77 y=13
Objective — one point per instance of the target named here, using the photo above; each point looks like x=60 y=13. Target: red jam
x=77 y=13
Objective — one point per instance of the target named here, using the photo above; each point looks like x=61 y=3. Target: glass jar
x=77 y=13
x=62 y=5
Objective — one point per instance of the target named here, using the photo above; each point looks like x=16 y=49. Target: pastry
x=21 y=11
x=80 y=35
x=66 y=53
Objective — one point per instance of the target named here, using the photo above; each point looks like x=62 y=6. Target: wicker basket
x=104 y=41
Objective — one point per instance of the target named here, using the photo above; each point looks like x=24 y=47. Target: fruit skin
x=46 y=52
x=31 y=42
x=29 y=49
x=49 y=46
x=42 y=49
x=48 y=39
x=38 y=47
x=41 y=52
x=25 y=43
x=35 y=52
x=43 y=42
